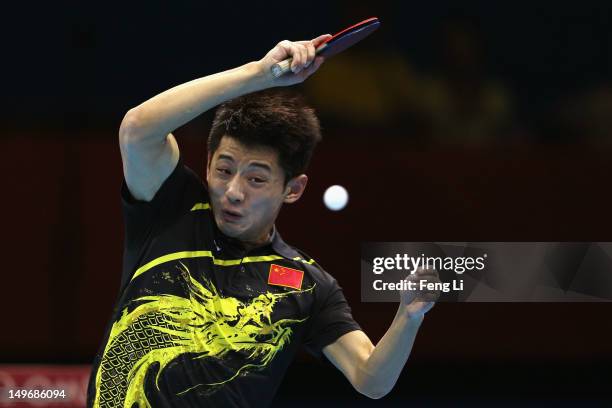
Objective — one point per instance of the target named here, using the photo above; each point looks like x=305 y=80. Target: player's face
x=246 y=188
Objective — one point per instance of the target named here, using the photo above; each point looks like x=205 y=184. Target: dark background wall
x=537 y=169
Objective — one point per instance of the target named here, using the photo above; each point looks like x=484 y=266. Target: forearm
x=169 y=110
x=381 y=369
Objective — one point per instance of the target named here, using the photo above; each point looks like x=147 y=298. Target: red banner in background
x=24 y=386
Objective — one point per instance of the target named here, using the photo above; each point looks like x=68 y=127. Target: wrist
x=261 y=77
x=410 y=316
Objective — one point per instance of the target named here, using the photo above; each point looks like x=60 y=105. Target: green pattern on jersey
x=205 y=324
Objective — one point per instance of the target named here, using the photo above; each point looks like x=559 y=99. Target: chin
x=230 y=230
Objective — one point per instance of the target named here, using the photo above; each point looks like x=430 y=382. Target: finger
x=428 y=280
x=297 y=57
x=426 y=274
x=286 y=50
x=426 y=271
x=303 y=52
x=285 y=45
x=321 y=39
x=423 y=274
x=310 y=50
x=293 y=50
x=313 y=67
x=428 y=296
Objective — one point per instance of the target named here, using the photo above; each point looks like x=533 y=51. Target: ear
x=295 y=188
x=207 y=167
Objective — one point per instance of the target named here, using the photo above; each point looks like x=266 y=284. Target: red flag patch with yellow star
x=283 y=276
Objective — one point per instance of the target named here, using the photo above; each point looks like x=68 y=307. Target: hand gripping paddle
x=335 y=44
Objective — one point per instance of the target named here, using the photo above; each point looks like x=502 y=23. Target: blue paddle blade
x=335 y=44
x=348 y=37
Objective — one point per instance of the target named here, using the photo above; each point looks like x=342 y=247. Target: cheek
x=266 y=205
x=215 y=190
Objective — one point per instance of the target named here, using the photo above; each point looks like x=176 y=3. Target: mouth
x=231 y=216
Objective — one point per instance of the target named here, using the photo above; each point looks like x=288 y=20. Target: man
x=213 y=304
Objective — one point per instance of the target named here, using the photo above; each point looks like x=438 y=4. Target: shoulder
x=182 y=192
x=191 y=178
x=323 y=280
x=190 y=190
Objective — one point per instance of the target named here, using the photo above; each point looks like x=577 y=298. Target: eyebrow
x=253 y=164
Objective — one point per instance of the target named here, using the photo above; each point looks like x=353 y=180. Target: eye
x=223 y=171
x=257 y=180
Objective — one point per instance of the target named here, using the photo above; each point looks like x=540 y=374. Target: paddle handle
x=281 y=68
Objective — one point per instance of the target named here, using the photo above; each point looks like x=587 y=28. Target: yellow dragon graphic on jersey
x=163 y=327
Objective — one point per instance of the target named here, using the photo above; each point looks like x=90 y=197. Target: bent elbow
x=372 y=391
x=374 y=394
x=129 y=125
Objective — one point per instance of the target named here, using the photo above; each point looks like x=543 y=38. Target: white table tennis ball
x=335 y=198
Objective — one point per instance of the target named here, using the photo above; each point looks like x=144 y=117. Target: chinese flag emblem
x=283 y=276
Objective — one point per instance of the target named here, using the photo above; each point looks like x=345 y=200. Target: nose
x=234 y=190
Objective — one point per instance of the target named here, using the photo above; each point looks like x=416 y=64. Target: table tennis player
x=213 y=304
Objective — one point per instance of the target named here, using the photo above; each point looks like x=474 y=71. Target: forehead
x=228 y=146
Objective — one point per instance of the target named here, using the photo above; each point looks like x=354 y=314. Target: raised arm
x=150 y=152
x=373 y=371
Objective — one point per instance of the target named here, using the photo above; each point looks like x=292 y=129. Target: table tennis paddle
x=335 y=44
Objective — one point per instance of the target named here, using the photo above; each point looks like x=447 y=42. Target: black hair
x=273 y=118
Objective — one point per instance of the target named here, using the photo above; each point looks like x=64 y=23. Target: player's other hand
x=418 y=302
x=304 y=64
